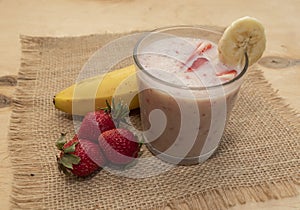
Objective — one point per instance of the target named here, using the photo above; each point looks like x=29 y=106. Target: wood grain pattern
x=4 y=101
x=276 y=62
x=8 y=80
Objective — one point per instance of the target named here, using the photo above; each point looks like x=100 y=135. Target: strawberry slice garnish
x=196 y=64
x=205 y=48
x=200 y=49
x=227 y=75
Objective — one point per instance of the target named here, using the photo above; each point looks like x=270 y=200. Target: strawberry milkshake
x=186 y=94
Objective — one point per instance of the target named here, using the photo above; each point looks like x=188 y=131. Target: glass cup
x=181 y=124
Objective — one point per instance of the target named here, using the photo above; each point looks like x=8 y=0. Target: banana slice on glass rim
x=245 y=35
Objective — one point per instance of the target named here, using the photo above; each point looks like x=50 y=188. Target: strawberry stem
x=66 y=160
x=71 y=148
x=61 y=141
x=119 y=112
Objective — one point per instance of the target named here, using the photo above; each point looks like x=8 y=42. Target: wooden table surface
x=82 y=17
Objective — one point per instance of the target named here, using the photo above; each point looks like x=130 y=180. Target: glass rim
x=158 y=30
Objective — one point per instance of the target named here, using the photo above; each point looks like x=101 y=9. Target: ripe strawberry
x=79 y=156
x=97 y=122
x=119 y=145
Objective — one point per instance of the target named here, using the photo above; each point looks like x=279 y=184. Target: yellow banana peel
x=92 y=93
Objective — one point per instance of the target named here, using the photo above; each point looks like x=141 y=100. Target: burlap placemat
x=258 y=158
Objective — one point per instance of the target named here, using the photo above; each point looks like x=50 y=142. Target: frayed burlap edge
x=218 y=199
x=26 y=193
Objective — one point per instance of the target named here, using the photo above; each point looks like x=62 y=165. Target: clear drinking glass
x=181 y=124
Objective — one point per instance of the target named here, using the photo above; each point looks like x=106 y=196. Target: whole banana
x=92 y=93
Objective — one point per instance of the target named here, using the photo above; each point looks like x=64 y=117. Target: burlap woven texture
x=258 y=158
